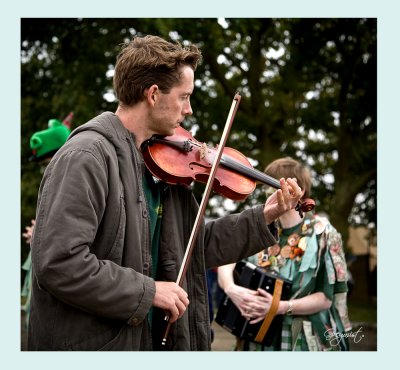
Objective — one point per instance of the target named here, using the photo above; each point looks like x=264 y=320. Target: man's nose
x=187 y=110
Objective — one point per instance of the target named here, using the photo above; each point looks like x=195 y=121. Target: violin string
x=235 y=165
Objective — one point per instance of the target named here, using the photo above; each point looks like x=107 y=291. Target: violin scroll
x=305 y=205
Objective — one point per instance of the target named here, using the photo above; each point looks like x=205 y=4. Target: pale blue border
x=388 y=134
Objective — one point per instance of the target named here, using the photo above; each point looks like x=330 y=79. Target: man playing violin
x=109 y=238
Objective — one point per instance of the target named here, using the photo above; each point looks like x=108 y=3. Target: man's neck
x=134 y=120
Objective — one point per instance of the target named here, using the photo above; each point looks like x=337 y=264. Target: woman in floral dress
x=310 y=255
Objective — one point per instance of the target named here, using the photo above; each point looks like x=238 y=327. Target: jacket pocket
x=106 y=340
x=115 y=253
x=117 y=343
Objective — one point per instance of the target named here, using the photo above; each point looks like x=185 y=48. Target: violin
x=181 y=159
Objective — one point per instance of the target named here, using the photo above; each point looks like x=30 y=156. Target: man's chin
x=172 y=131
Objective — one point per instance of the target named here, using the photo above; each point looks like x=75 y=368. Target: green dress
x=311 y=256
x=27 y=287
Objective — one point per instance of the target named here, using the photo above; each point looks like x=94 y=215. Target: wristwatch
x=289 y=310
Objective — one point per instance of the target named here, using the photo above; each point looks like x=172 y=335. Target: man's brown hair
x=147 y=61
x=289 y=167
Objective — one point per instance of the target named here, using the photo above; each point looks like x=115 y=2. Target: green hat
x=44 y=144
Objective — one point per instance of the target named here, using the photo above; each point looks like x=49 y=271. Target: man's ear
x=152 y=94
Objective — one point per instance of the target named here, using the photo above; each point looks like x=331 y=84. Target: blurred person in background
x=309 y=254
x=43 y=144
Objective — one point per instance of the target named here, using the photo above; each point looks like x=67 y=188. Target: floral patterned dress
x=311 y=256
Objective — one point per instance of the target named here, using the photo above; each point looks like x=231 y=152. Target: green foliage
x=308 y=90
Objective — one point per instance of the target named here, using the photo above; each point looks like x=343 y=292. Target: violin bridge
x=203 y=151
